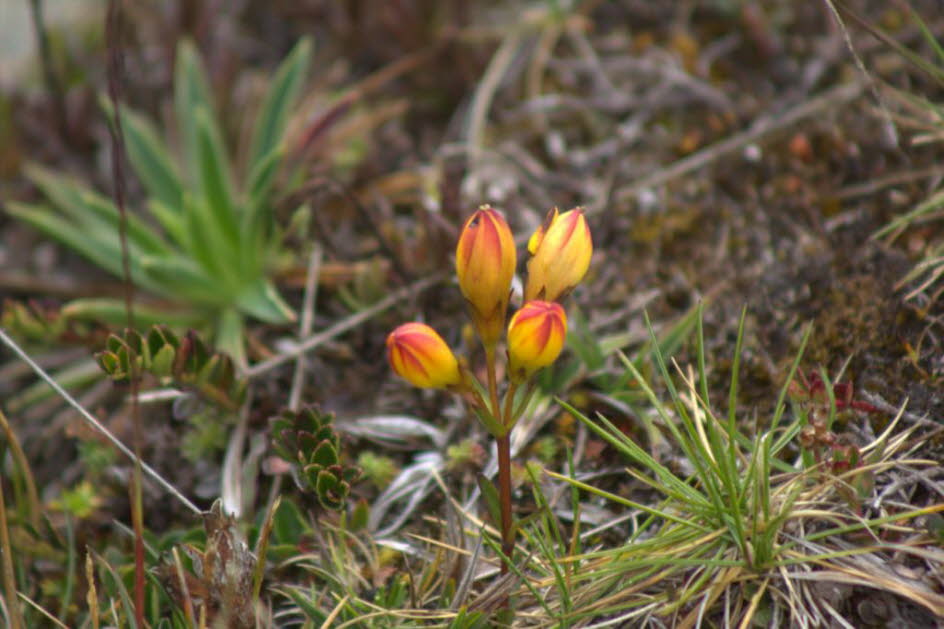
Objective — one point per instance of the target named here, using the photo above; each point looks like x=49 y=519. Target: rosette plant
x=206 y=240
x=485 y=264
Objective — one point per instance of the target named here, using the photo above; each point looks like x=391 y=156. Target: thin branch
x=306 y=324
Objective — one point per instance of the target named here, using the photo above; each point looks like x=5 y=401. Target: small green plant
x=308 y=441
x=184 y=362
x=209 y=241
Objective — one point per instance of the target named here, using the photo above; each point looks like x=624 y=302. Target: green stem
x=19 y=457
x=492 y=381
x=508 y=417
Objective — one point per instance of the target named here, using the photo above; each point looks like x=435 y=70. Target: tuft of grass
x=743 y=531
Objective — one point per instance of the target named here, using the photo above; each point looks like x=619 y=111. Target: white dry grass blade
x=306 y=323
x=400 y=431
x=95 y=423
x=412 y=484
x=231 y=481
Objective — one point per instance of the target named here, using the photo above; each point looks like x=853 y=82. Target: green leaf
x=584 y=342
x=114 y=587
x=360 y=515
x=162 y=361
x=180 y=278
x=304 y=601
x=149 y=157
x=97 y=214
x=270 y=125
x=113 y=311
x=257 y=222
x=65 y=232
x=289 y=524
x=324 y=455
x=214 y=183
x=260 y=178
x=262 y=301
x=208 y=247
x=191 y=93
x=230 y=332
x=490 y=494
x=102 y=249
x=331 y=491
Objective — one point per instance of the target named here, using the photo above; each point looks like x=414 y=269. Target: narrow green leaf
x=490 y=494
x=270 y=124
x=149 y=157
x=585 y=343
x=230 y=335
x=262 y=301
x=93 y=210
x=207 y=246
x=179 y=278
x=215 y=184
x=257 y=225
x=102 y=249
x=261 y=177
x=113 y=585
x=113 y=311
x=191 y=93
x=173 y=220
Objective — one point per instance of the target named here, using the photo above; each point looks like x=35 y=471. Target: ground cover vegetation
x=300 y=329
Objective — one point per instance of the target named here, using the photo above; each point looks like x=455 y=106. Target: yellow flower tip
x=536 y=336
x=485 y=265
x=420 y=356
x=560 y=255
x=535 y=241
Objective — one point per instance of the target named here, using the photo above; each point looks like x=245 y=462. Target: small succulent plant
x=185 y=361
x=308 y=441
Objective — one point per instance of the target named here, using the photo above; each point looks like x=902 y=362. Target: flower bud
x=485 y=264
x=560 y=255
x=536 y=336
x=418 y=354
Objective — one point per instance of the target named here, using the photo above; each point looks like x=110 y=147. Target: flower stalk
x=485 y=266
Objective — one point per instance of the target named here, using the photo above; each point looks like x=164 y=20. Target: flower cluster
x=485 y=265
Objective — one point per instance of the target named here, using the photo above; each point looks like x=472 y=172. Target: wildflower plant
x=207 y=243
x=485 y=265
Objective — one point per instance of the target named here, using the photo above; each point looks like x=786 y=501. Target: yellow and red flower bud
x=536 y=336
x=418 y=354
x=560 y=255
x=485 y=264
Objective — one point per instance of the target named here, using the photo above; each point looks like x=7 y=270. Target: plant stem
x=9 y=580
x=504 y=498
x=492 y=382
x=503 y=443
x=19 y=458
